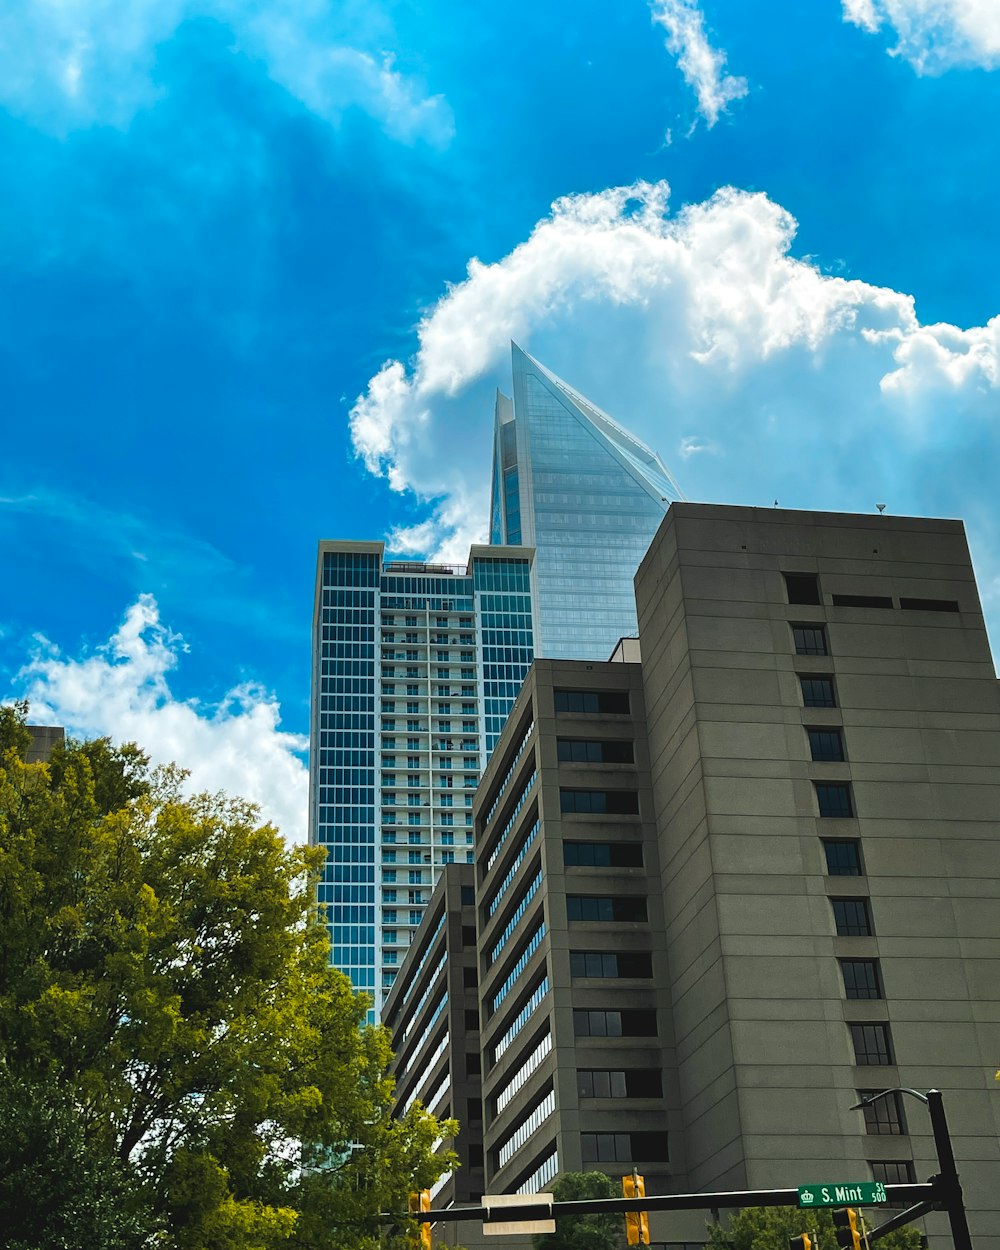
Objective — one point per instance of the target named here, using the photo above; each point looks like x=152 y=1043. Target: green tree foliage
x=584 y=1232
x=58 y=1190
x=162 y=960
x=769 y=1228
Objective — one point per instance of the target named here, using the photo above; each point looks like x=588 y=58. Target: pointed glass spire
x=587 y=495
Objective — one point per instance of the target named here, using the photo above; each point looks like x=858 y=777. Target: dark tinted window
x=472 y=1021
x=929 y=605
x=468 y=895
x=802 y=587
x=611 y=964
x=885 y=1116
x=852 y=917
x=617 y=1083
x=862 y=601
x=468 y=935
x=818 y=692
x=809 y=640
x=636 y=1023
x=826 y=744
x=843 y=857
x=861 y=978
x=610 y=702
x=871 y=1044
x=834 y=799
x=586 y=751
x=602 y=854
x=611 y=802
x=469 y=978
x=899 y=1172
x=604 y=907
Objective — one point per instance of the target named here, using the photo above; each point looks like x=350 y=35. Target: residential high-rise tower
x=415 y=667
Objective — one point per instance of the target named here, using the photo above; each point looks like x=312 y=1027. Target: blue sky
x=261 y=263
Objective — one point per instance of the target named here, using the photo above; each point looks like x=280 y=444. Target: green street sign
x=839 y=1194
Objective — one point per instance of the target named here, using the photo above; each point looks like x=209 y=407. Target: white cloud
x=934 y=35
x=824 y=392
x=702 y=65
x=121 y=690
x=71 y=63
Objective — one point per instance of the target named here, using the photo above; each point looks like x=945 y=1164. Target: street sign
x=838 y=1193
x=495 y=1204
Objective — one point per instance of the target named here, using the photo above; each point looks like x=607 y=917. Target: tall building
x=415 y=667
x=587 y=496
x=750 y=873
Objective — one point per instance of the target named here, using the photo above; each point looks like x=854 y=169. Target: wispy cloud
x=121 y=689
x=79 y=63
x=702 y=65
x=934 y=35
x=138 y=551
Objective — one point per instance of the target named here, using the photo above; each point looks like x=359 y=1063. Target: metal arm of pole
x=921 y=1193
x=901 y=1220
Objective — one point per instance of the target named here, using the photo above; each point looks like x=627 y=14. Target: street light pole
x=946 y=1182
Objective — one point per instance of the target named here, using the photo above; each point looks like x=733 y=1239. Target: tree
x=162 y=960
x=57 y=1192
x=769 y=1228
x=584 y=1232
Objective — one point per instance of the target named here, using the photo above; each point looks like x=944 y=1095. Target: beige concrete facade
x=766 y=1065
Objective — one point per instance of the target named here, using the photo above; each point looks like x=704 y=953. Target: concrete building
x=586 y=495
x=432 y=1014
x=44 y=739
x=723 y=891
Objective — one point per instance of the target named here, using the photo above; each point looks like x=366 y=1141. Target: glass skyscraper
x=587 y=496
x=415 y=668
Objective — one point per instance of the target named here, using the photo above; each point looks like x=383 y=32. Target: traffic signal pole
x=947 y=1186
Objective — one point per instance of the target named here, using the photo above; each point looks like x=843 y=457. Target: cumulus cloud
x=121 y=690
x=819 y=390
x=934 y=35
x=83 y=62
x=702 y=65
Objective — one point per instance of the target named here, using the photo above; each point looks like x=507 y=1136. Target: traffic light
x=849 y=1229
x=636 y=1222
x=804 y=1241
x=421 y=1202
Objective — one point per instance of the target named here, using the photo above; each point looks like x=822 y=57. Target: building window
x=818 y=692
x=585 y=751
x=602 y=854
x=843 y=857
x=810 y=640
x=610 y=802
x=885 y=1116
x=898 y=1172
x=610 y=702
x=605 y=908
x=871 y=1044
x=861 y=978
x=802 y=587
x=834 y=799
x=852 y=917
x=610 y=964
x=826 y=744
x=614 y=1083
x=636 y=1023
x=624 y=1147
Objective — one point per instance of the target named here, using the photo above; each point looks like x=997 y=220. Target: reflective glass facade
x=588 y=497
x=415 y=668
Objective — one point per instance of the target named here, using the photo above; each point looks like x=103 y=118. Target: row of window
x=599 y=802
x=803 y=588
x=593 y=907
